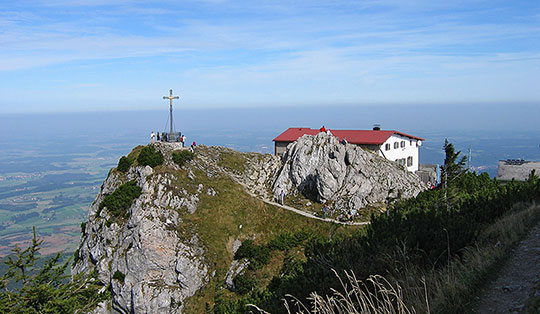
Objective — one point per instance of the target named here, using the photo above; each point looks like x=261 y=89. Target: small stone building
x=516 y=169
x=392 y=145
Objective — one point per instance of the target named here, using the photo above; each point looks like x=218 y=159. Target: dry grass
x=375 y=295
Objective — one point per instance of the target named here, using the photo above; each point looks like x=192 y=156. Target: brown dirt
x=517 y=280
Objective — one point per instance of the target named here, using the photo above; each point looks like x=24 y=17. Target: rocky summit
x=155 y=268
x=163 y=238
x=348 y=176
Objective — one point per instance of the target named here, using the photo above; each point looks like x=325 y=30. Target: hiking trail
x=517 y=281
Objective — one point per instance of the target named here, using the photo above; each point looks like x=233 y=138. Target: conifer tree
x=453 y=168
x=27 y=288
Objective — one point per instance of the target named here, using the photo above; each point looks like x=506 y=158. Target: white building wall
x=406 y=148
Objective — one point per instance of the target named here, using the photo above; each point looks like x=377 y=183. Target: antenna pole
x=469 y=159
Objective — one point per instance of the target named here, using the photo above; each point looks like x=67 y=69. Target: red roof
x=366 y=137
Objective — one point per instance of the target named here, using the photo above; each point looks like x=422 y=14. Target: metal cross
x=170 y=98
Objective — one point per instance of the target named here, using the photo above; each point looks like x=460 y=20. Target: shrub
x=118 y=275
x=243 y=284
x=124 y=163
x=244 y=251
x=149 y=156
x=119 y=201
x=182 y=156
x=258 y=255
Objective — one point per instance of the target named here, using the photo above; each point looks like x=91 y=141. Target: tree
x=453 y=168
x=45 y=289
x=454 y=165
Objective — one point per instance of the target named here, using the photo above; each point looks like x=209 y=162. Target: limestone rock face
x=160 y=268
x=260 y=173
x=352 y=178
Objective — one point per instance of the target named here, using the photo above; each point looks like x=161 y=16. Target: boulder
x=323 y=169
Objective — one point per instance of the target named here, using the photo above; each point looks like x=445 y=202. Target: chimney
x=376 y=127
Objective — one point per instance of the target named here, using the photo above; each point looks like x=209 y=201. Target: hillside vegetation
x=440 y=247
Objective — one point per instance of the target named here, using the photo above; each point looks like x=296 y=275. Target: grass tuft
x=375 y=295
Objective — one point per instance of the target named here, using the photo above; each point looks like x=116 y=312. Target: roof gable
x=366 y=137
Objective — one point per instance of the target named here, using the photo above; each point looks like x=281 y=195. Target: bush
x=149 y=156
x=182 y=156
x=124 y=163
x=243 y=284
x=119 y=201
x=258 y=255
x=244 y=251
x=118 y=275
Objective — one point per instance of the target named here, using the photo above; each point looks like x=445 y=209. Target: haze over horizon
x=79 y=55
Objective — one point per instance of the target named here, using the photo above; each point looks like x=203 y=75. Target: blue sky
x=84 y=55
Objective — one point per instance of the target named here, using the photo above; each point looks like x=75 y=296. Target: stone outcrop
x=159 y=268
x=260 y=174
x=348 y=176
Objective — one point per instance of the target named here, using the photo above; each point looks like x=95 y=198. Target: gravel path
x=517 y=280
x=303 y=213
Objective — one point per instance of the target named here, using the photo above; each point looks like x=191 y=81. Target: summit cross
x=170 y=98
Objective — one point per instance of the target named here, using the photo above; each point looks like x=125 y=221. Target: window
x=409 y=161
x=410 y=143
x=402 y=144
x=396 y=145
x=387 y=146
